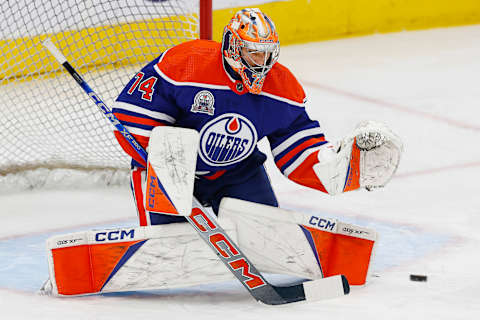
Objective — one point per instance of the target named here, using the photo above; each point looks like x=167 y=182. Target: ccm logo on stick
x=115 y=235
x=204 y=224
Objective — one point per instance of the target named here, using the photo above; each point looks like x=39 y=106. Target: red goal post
x=47 y=125
x=206 y=20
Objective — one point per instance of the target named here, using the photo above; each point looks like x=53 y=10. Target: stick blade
x=326 y=288
x=48 y=44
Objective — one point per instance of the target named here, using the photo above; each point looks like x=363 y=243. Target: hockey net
x=50 y=129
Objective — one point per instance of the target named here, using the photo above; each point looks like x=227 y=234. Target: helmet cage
x=270 y=56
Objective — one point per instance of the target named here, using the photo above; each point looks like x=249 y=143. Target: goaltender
x=234 y=94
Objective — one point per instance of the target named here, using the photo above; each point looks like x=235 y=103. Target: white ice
x=424 y=85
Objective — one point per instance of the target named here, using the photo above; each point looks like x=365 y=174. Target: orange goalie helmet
x=250 y=46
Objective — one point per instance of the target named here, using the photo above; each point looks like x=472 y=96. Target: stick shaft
x=96 y=99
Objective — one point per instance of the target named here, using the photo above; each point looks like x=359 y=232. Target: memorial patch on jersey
x=203 y=103
x=227 y=139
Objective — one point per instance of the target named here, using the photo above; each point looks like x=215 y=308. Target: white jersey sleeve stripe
x=299 y=161
x=138 y=131
x=152 y=114
x=297 y=136
x=272 y=96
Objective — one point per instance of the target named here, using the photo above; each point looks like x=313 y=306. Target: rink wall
x=297 y=21
x=311 y=20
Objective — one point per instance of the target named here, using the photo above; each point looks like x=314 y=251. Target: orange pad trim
x=353 y=176
x=85 y=269
x=157 y=198
x=341 y=254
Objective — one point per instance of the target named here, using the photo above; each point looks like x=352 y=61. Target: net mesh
x=46 y=120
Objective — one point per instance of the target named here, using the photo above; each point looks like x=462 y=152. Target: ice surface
x=425 y=86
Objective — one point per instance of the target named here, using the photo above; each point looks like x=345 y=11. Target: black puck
x=417 y=277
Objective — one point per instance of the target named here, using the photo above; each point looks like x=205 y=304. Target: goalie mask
x=250 y=46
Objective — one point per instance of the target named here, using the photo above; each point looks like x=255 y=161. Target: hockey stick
x=214 y=235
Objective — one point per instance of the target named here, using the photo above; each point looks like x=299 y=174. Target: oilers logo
x=227 y=139
x=203 y=103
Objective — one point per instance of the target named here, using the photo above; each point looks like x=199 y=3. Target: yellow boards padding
x=297 y=21
x=109 y=46
x=300 y=21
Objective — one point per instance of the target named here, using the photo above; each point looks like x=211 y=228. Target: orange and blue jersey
x=191 y=86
